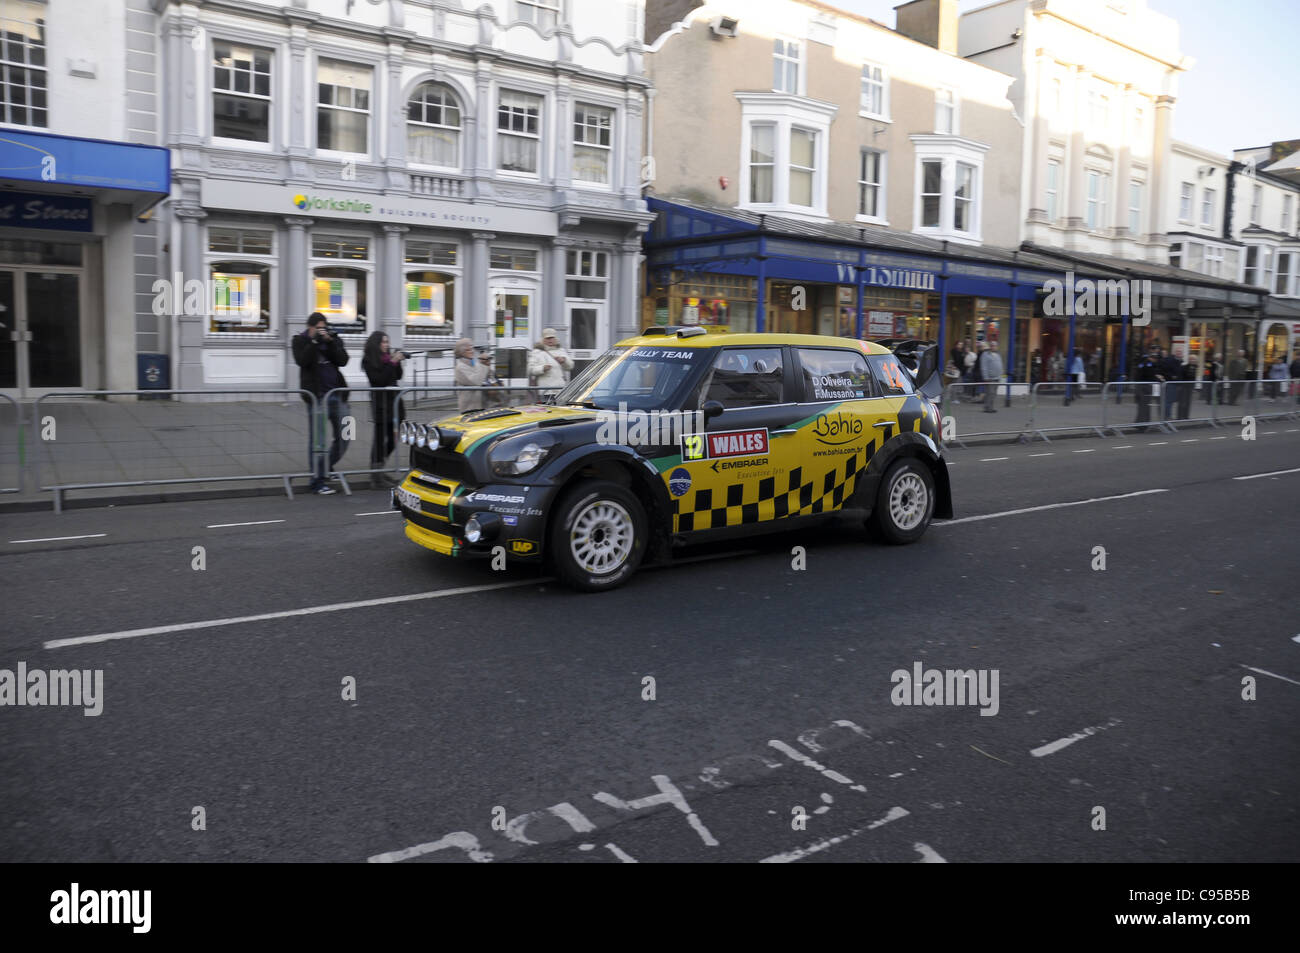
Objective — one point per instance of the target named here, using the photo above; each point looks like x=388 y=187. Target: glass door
x=10 y=336
x=40 y=331
x=513 y=332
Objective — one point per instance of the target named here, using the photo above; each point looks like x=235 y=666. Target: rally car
x=675 y=437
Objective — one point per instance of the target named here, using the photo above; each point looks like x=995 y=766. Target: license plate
x=407 y=499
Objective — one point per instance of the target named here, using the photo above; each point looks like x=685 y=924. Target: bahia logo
x=301 y=201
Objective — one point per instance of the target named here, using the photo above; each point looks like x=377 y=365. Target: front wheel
x=598 y=536
x=904 y=502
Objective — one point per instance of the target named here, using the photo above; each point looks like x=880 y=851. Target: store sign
x=880 y=324
x=362 y=206
x=900 y=278
x=65 y=213
x=68 y=161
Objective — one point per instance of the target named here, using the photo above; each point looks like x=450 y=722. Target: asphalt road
x=1118 y=689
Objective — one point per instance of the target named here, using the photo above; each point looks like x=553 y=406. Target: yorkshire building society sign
x=374 y=207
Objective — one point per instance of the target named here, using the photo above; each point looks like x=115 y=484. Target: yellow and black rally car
x=679 y=436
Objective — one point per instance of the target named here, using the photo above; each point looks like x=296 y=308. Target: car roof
x=761 y=339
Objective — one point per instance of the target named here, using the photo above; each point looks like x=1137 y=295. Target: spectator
x=549 y=365
x=968 y=364
x=319 y=354
x=1056 y=367
x=1077 y=376
x=1169 y=370
x=470 y=374
x=1213 y=374
x=1277 y=374
x=1186 y=385
x=990 y=371
x=1036 y=367
x=959 y=356
x=1237 y=370
x=1146 y=377
x=383 y=367
x=1295 y=376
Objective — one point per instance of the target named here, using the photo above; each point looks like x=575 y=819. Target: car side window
x=746 y=377
x=894 y=380
x=835 y=374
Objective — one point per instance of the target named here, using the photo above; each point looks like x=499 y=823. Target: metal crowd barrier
x=970 y=410
x=82 y=440
x=12 y=449
x=1060 y=406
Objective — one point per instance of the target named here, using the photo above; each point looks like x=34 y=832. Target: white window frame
x=538 y=137
x=369 y=112
x=881 y=186
x=785 y=112
x=271 y=261
x=751 y=164
x=269 y=99
x=1098 y=112
x=883 y=83
x=1186 y=202
x=815 y=172
x=32 y=72
x=949 y=151
x=1287 y=277
x=953 y=108
x=1256 y=203
x=1136 y=199
x=1214 y=258
x=450 y=99
x=1287 y=202
x=366 y=265
x=1176 y=254
x=1207 y=208
x=543 y=14
x=1095 y=206
x=456 y=272
x=608 y=181
x=782 y=60
x=1052 y=190
x=1249 y=272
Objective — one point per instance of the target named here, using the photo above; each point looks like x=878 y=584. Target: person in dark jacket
x=320 y=354
x=1169 y=370
x=1146 y=376
x=1295 y=376
x=1186 y=385
x=383 y=367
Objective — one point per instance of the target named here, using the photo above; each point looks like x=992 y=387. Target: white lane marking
x=1270 y=674
x=623 y=857
x=803 y=759
x=253 y=523
x=1057 y=745
x=461 y=840
x=1293 y=431
x=58 y=539
x=1084 y=451
x=1192 y=440
x=1267 y=433
x=801 y=852
x=1295 y=638
x=1158 y=443
x=993 y=459
x=1049 y=506
x=287 y=614
x=928 y=854
x=1127 y=446
x=1256 y=476
x=380 y=513
x=1218 y=438
x=1052 y=454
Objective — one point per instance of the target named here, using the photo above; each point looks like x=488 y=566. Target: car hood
x=477 y=425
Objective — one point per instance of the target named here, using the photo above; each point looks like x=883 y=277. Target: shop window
x=343 y=107
x=340 y=246
x=592 y=143
x=241 y=92
x=430 y=253
x=540 y=13
x=24 y=95
x=244 y=241
x=433 y=127
x=340 y=295
x=518 y=132
x=241 y=297
x=430 y=304
x=871 y=184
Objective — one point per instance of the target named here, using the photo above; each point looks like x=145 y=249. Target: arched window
x=433 y=127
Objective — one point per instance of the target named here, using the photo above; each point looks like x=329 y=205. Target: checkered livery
x=756 y=501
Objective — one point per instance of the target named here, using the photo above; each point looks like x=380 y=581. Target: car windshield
x=640 y=378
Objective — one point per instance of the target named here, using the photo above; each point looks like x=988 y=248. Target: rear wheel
x=904 y=502
x=598 y=536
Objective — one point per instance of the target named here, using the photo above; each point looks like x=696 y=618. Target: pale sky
x=1236 y=96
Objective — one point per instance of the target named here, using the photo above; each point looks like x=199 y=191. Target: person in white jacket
x=549 y=365
x=470 y=374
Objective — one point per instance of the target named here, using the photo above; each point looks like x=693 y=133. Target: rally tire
x=598 y=536
x=904 y=502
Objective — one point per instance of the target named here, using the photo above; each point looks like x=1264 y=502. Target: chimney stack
x=932 y=22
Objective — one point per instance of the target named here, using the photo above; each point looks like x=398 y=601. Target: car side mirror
x=711 y=409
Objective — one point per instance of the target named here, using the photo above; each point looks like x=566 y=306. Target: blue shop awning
x=111 y=172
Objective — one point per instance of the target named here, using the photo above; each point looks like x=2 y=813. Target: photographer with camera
x=471 y=373
x=383 y=367
x=319 y=354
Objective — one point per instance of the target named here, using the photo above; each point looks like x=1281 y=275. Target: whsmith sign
x=372 y=207
x=889 y=277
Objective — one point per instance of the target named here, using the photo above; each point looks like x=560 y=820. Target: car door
x=737 y=470
x=845 y=419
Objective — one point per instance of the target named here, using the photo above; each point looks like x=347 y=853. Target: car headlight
x=434 y=438
x=421 y=435
x=404 y=432
x=522 y=454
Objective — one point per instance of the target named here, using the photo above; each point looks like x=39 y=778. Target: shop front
x=68 y=215
x=424 y=271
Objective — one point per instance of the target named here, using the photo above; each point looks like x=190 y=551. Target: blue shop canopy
x=113 y=172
